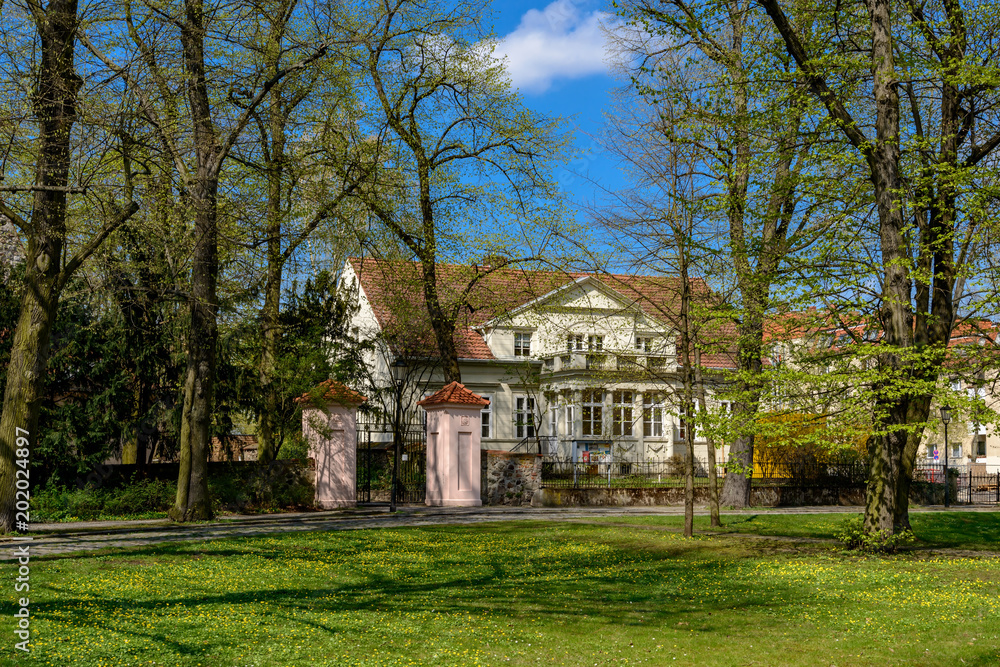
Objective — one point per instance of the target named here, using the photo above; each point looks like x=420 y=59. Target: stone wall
x=510 y=479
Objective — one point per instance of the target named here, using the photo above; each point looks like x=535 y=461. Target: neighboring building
x=576 y=365
x=968 y=378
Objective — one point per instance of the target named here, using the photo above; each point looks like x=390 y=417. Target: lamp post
x=945 y=419
x=398 y=378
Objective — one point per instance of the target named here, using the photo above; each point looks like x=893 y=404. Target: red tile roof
x=331 y=391
x=453 y=393
x=395 y=291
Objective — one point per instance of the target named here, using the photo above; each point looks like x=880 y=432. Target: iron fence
x=557 y=473
x=979 y=488
x=561 y=473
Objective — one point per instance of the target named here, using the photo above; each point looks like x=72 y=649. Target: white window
x=956 y=384
x=622 y=412
x=570 y=420
x=652 y=416
x=487 y=417
x=956 y=450
x=524 y=417
x=682 y=424
x=574 y=342
x=643 y=344
x=595 y=343
x=593 y=412
x=522 y=345
x=553 y=420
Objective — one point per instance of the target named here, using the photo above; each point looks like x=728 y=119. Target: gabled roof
x=579 y=281
x=454 y=393
x=331 y=391
x=393 y=287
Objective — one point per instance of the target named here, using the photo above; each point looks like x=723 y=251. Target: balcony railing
x=605 y=361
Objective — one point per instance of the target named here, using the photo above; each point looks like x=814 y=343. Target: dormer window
x=574 y=342
x=522 y=345
x=643 y=344
x=595 y=343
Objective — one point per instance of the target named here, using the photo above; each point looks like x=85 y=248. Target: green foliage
x=10 y=305
x=260 y=489
x=87 y=404
x=140 y=498
x=315 y=345
x=852 y=533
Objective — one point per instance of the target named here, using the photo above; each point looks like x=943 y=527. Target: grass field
x=952 y=530
x=510 y=594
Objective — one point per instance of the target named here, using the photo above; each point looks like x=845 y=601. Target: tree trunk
x=897 y=317
x=54 y=107
x=688 y=389
x=196 y=420
x=269 y=314
x=737 y=486
x=713 y=478
x=273 y=143
x=443 y=325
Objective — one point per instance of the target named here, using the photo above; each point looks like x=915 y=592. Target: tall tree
x=914 y=96
x=173 y=45
x=297 y=111
x=54 y=102
x=459 y=143
x=735 y=101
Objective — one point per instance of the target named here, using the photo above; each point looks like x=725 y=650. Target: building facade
x=575 y=366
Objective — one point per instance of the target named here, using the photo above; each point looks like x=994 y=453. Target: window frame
x=592 y=413
x=652 y=415
x=622 y=411
x=486 y=418
x=524 y=404
x=520 y=338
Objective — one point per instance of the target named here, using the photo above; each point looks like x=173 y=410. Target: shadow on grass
x=532 y=575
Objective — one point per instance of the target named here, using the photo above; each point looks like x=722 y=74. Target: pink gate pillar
x=453 y=440
x=329 y=425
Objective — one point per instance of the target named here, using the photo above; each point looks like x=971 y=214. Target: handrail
x=537 y=439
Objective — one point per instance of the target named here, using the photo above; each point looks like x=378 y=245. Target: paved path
x=65 y=538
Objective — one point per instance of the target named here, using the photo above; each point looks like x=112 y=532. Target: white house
x=573 y=364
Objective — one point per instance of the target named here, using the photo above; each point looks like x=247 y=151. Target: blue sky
x=557 y=59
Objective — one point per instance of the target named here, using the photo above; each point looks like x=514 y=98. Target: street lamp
x=399 y=370
x=945 y=419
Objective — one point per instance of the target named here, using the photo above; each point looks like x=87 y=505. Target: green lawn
x=509 y=594
x=953 y=530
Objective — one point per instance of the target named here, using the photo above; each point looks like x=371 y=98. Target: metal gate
x=375 y=451
x=979 y=487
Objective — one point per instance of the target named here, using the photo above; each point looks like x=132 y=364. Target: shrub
x=138 y=498
x=851 y=532
x=263 y=488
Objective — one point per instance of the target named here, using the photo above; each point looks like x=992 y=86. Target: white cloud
x=560 y=41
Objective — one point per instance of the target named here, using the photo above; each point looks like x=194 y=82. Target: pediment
x=585 y=296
